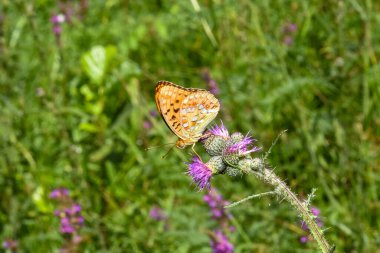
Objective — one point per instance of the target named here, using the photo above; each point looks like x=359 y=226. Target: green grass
x=85 y=133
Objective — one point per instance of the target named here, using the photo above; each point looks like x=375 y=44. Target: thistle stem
x=250 y=197
x=282 y=190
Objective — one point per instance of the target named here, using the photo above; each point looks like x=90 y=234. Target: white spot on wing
x=185 y=125
x=194 y=118
x=204 y=111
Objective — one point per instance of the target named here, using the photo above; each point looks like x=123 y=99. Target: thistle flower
x=57 y=21
x=59 y=193
x=10 y=244
x=219 y=130
x=212 y=84
x=200 y=172
x=69 y=214
x=242 y=148
x=220 y=243
x=288 y=31
x=157 y=213
x=147 y=125
x=216 y=203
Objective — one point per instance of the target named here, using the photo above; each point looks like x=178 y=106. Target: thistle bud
x=236 y=137
x=233 y=172
x=245 y=164
x=257 y=164
x=216 y=162
x=231 y=158
x=214 y=145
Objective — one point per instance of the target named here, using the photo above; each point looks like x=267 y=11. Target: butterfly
x=186 y=111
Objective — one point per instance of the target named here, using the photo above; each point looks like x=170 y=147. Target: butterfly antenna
x=149 y=148
x=170 y=149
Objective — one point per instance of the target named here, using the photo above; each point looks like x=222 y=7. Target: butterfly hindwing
x=197 y=110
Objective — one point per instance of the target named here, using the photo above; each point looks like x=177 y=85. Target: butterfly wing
x=198 y=109
x=168 y=99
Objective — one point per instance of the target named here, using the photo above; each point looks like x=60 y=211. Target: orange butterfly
x=186 y=111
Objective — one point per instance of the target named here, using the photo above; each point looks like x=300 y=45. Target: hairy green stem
x=282 y=190
x=250 y=197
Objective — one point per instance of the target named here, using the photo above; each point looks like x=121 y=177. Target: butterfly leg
x=195 y=152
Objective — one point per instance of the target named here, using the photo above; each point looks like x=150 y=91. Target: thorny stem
x=268 y=176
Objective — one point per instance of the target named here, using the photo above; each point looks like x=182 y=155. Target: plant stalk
x=282 y=190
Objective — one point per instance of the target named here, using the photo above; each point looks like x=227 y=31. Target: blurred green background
x=76 y=102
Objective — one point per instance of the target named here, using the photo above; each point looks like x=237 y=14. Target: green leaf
x=96 y=62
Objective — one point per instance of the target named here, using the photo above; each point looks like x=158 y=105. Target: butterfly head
x=181 y=144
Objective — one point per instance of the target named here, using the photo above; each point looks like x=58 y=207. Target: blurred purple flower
x=147 y=125
x=216 y=203
x=289 y=30
x=304 y=239
x=68 y=211
x=153 y=113
x=58 y=19
x=212 y=84
x=59 y=193
x=315 y=211
x=288 y=40
x=10 y=244
x=220 y=243
x=200 y=173
x=157 y=213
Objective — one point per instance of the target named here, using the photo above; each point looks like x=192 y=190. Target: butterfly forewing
x=187 y=112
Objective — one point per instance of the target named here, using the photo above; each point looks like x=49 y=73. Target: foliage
x=73 y=103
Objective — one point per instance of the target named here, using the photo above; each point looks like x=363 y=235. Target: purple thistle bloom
x=10 y=244
x=67 y=229
x=220 y=130
x=304 y=239
x=213 y=86
x=147 y=125
x=57 y=30
x=76 y=208
x=216 y=203
x=80 y=220
x=304 y=226
x=220 y=243
x=315 y=211
x=153 y=113
x=157 y=213
x=242 y=147
x=58 y=193
x=57 y=19
x=200 y=172
x=290 y=28
x=288 y=40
